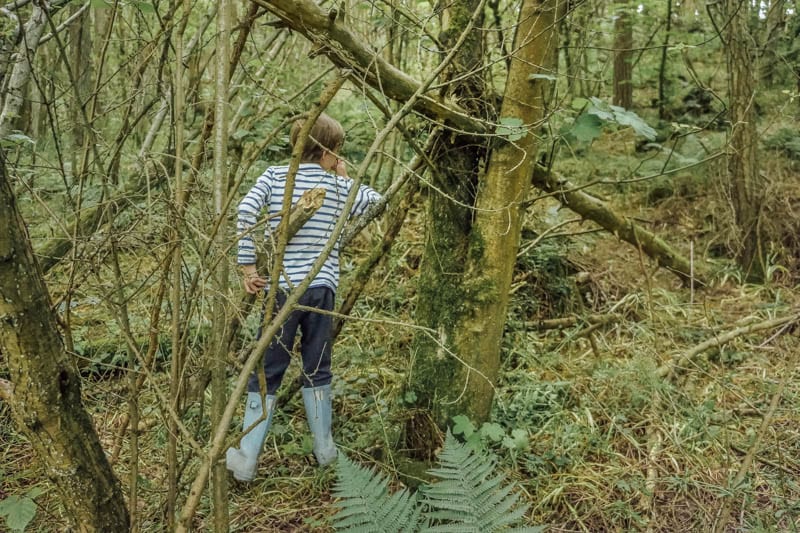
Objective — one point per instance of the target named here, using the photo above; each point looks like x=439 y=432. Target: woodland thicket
x=582 y=285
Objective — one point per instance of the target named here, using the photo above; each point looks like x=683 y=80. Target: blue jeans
x=315 y=342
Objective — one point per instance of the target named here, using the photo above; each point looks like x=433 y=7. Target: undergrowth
x=585 y=423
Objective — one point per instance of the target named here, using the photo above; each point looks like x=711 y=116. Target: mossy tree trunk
x=45 y=390
x=747 y=187
x=441 y=289
x=494 y=242
x=464 y=299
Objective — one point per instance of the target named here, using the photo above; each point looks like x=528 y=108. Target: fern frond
x=365 y=504
x=470 y=497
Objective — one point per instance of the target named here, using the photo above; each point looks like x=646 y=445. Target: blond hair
x=326 y=134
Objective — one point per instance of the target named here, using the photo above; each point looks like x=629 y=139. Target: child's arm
x=249 y=209
x=365 y=197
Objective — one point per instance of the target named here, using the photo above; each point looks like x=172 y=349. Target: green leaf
x=475 y=442
x=463 y=426
x=19 y=511
x=517 y=441
x=620 y=115
x=35 y=492
x=511 y=128
x=624 y=117
x=586 y=128
x=493 y=431
x=19 y=138
x=600 y=109
x=579 y=103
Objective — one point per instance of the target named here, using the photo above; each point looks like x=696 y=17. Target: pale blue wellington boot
x=318 y=411
x=242 y=461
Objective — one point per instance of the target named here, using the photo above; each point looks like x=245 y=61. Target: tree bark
x=774 y=26
x=662 y=69
x=623 y=56
x=21 y=73
x=218 y=353
x=747 y=187
x=494 y=240
x=46 y=398
x=441 y=289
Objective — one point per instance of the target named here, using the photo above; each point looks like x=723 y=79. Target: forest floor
x=631 y=427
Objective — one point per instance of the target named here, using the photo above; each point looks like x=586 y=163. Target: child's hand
x=341 y=168
x=253 y=283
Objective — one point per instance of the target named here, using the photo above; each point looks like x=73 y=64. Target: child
x=320 y=167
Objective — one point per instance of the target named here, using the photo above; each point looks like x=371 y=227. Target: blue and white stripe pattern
x=304 y=248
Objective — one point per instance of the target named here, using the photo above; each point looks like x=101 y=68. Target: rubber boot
x=318 y=412
x=242 y=461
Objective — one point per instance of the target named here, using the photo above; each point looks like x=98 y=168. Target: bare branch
x=64 y=25
x=668 y=369
x=347 y=50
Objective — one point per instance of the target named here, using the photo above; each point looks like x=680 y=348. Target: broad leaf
x=511 y=128
x=493 y=431
x=463 y=426
x=19 y=511
x=586 y=128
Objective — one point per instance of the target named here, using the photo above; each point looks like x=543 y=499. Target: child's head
x=326 y=135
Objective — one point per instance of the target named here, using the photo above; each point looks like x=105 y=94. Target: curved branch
x=345 y=49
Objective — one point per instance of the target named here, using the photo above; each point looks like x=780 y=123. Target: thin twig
x=668 y=369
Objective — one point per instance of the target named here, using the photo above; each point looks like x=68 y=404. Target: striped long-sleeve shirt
x=306 y=246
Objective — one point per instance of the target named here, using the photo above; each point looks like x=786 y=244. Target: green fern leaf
x=365 y=504
x=469 y=497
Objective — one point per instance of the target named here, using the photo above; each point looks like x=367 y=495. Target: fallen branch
x=594 y=209
x=668 y=369
x=569 y=321
x=769 y=462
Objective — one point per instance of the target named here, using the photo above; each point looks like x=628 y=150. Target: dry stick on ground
x=668 y=369
x=569 y=321
x=725 y=510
